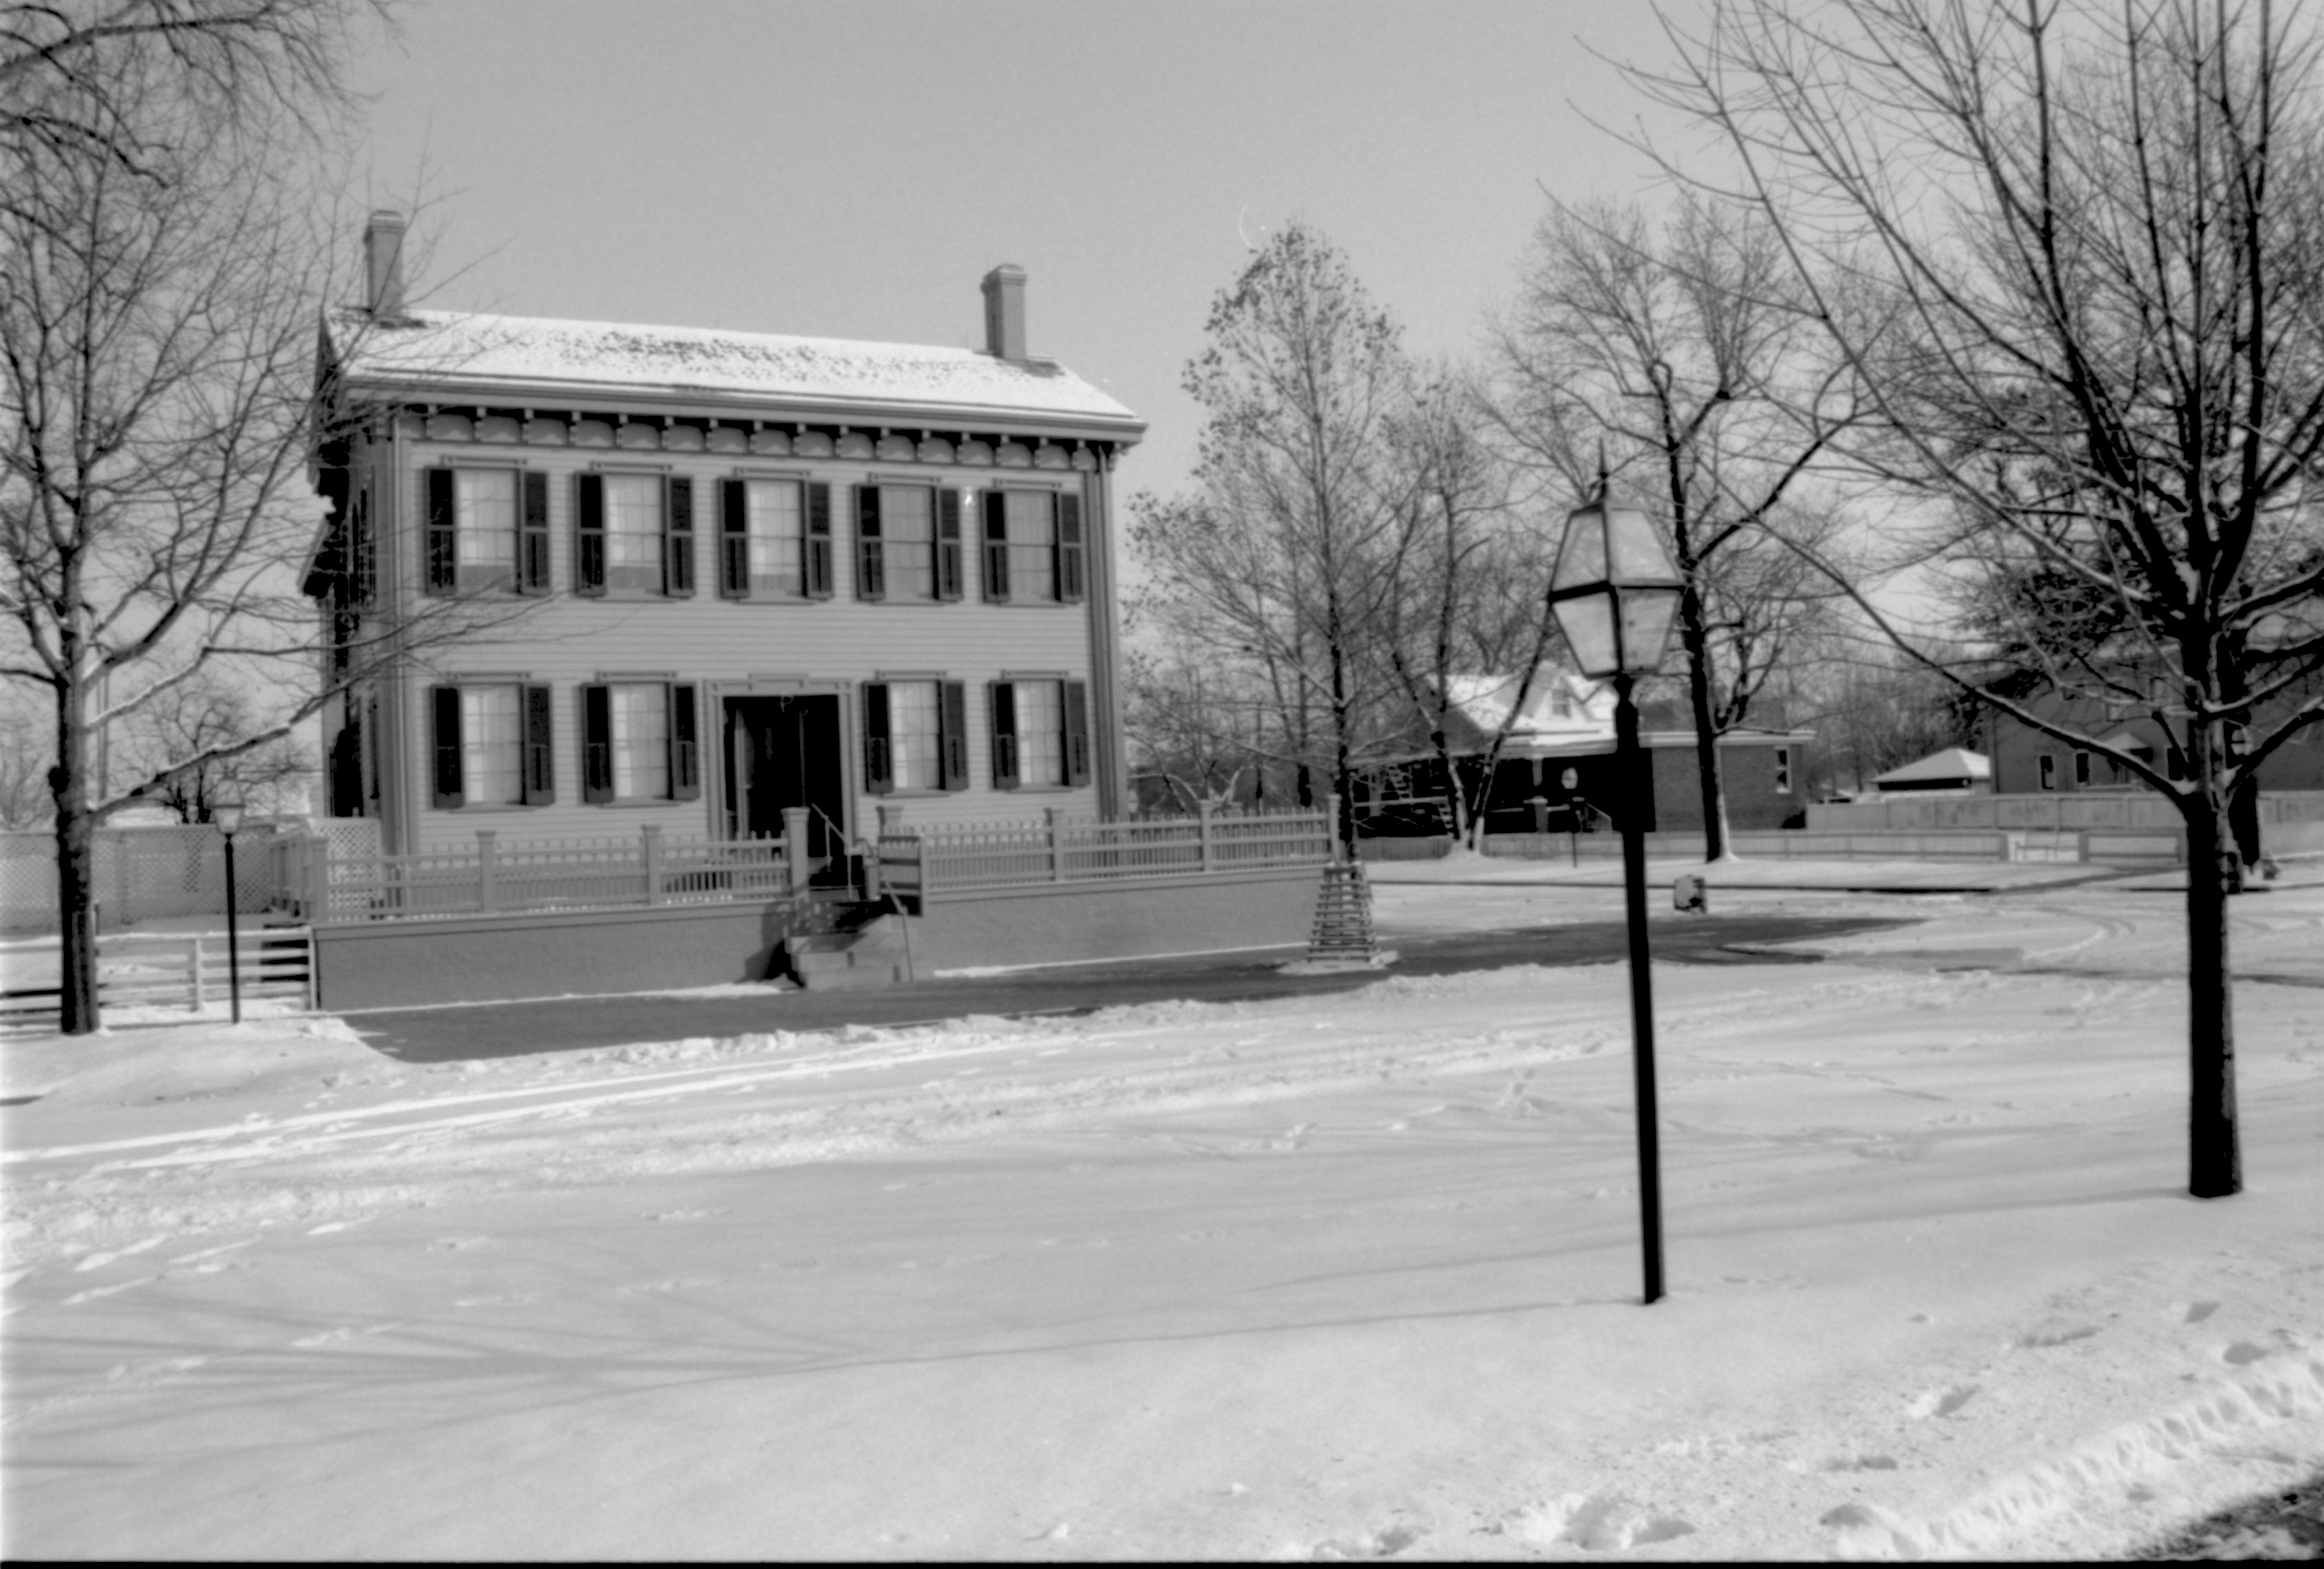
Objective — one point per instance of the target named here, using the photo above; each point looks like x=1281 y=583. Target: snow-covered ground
x=1351 y=1276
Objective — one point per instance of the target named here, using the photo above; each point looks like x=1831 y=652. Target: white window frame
x=630 y=497
x=915 y=748
x=638 y=719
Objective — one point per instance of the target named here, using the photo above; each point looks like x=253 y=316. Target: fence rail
x=189 y=970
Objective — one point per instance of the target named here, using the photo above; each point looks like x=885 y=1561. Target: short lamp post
x=227 y=815
x=1615 y=592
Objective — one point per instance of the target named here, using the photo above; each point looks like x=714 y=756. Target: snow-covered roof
x=455 y=354
x=1952 y=762
x=1557 y=700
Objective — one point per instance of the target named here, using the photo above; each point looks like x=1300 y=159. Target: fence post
x=122 y=914
x=318 y=880
x=1332 y=825
x=1203 y=831
x=487 y=889
x=1056 y=847
x=197 y=976
x=652 y=835
x=796 y=870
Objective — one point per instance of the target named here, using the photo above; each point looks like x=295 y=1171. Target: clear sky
x=853 y=170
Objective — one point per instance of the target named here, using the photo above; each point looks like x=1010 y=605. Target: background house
x=1556 y=765
x=720 y=575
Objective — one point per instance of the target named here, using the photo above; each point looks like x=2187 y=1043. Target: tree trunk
x=2214 y=1157
x=1697 y=643
x=75 y=834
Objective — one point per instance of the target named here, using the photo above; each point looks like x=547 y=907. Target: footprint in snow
x=1930 y=1403
x=2053 y=1333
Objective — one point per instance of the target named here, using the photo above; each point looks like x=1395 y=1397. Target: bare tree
x=2099 y=232
x=1191 y=727
x=206 y=719
x=162 y=270
x=1683 y=351
x=1280 y=562
x=1469 y=592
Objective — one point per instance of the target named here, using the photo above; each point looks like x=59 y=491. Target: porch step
x=874 y=954
x=1343 y=918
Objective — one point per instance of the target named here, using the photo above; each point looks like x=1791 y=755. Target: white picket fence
x=189 y=970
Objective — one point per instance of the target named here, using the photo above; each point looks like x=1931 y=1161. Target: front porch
x=503 y=922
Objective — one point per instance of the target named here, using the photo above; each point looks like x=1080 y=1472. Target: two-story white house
x=722 y=575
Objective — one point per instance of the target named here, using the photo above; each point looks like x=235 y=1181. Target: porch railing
x=490 y=878
x=947 y=857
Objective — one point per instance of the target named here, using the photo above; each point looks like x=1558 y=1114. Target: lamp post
x=227 y=815
x=1615 y=592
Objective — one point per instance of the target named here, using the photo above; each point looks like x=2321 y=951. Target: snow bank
x=1321 y=1277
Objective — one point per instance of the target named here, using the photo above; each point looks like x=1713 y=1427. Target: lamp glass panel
x=228 y=818
x=1587 y=620
x=1636 y=546
x=1582 y=554
x=1646 y=617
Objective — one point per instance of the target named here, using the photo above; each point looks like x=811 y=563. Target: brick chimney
x=383 y=265
x=1004 y=311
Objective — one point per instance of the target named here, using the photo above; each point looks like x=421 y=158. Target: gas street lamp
x=1615 y=592
x=227 y=815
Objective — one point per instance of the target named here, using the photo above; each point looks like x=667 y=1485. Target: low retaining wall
x=1060 y=923
x=502 y=958
x=393 y=963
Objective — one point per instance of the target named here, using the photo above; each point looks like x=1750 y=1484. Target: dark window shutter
x=817 y=544
x=733 y=539
x=1076 y=704
x=879 y=773
x=447 y=746
x=678 y=537
x=589 y=534
x=996 y=545
x=443 y=570
x=532 y=533
x=947 y=542
x=685 y=752
x=596 y=744
x=539 y=767
x=871 y=570
x=1069 y=549
x=1001 y=696
x=952 y=708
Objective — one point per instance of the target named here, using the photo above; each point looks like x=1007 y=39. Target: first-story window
x=1041 y=734
x=638 y=742
x=915 y=736
x=2047 y=766
x=2082 y=770
x=492 y=745
x=1782 y=770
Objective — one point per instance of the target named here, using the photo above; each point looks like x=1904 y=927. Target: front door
x=782 y=752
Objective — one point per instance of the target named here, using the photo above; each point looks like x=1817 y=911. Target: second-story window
x=486 y=530
x=633 y=547
x=907 y=542
x=1032 y=546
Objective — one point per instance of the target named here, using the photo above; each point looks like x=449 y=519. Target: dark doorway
x=784 y=752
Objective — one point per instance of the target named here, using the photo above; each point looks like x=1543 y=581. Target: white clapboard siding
x=568 y=641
